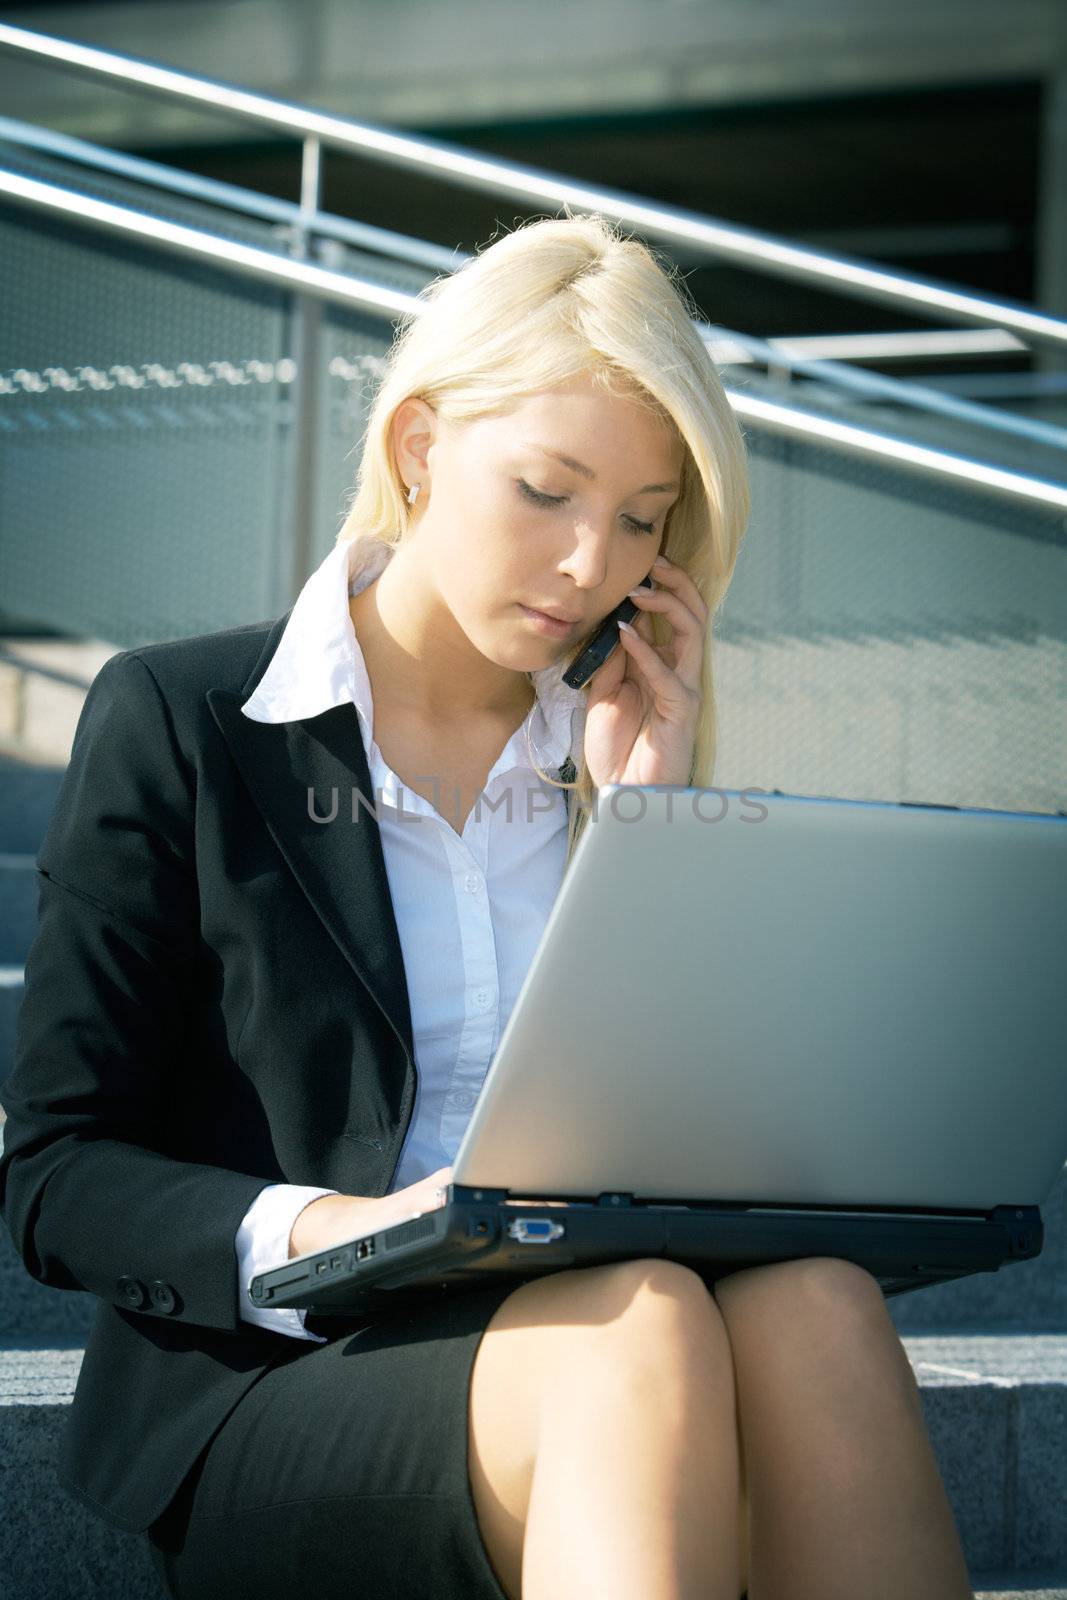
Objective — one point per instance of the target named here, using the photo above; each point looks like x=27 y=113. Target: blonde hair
x=546 y=302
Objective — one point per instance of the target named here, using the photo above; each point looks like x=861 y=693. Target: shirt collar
x=319 y=663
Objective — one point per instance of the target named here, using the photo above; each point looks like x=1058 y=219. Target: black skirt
x=342 y=1473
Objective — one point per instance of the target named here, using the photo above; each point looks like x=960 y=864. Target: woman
x=234 y=975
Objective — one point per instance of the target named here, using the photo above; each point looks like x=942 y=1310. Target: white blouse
x=470 y=909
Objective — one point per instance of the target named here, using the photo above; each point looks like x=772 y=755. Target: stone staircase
x=989 y=1353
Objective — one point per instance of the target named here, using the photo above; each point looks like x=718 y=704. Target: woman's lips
x=548 y=625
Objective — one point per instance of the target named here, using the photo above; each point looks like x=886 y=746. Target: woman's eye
x=537 y=497
x=541 y=499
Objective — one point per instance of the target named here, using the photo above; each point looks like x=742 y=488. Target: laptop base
x=485 y=1236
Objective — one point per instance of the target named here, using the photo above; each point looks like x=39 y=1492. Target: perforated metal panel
x=892 y=637
x=140 y=505
x=146 y=416
x=353 y=350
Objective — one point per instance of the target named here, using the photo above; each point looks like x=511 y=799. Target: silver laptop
x=760 y=1026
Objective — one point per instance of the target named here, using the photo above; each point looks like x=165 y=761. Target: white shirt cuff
x=263 y=1242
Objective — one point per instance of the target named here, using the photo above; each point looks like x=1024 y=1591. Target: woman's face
x=508 y=525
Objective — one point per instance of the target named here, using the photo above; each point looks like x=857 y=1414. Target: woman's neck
x=400 y=676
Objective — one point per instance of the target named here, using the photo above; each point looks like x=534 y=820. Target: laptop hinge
x=490 y=1197
x=1026 y=1229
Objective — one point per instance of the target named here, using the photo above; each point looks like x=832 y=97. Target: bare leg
x=604 y=1455
x=845 y=1492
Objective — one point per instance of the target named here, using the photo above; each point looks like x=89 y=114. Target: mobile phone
x=602 y=643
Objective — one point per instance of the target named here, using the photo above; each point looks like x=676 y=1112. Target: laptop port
x=364 y=1248
x=535 y=1230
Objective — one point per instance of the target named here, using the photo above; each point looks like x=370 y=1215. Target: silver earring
x=413 y=493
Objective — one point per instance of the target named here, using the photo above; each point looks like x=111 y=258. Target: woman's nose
x=587 y=562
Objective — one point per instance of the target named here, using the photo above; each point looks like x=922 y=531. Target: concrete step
x=18 y=906
x=996 y=1408
x=998 y=1434
x=1007 y=1586
x=51 y=1546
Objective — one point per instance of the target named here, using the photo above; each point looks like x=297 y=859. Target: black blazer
x=215 y=1000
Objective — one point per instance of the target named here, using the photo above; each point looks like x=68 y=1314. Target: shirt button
x=471 y=883
x=461 y=1097
x=482 y=997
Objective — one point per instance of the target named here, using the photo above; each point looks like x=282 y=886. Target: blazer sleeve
x=88 y=1191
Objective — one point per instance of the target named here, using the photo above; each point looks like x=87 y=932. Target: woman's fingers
x=641 y=725
x=689 y=630
x=663 y=680
x=678 y=582
x=674 y=604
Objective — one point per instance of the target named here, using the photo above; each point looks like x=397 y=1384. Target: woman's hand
x=644 y=700
x=336 y=1218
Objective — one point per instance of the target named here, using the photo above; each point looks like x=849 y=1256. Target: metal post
x=306 y=324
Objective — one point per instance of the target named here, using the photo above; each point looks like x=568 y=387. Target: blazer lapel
x=294 y=769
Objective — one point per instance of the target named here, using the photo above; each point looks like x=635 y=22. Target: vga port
x=535 y=1230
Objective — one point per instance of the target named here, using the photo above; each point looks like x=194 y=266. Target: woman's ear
x=414 y=430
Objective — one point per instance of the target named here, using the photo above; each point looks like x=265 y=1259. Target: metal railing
x=69 y=680
x=840 y=347
x=317 y=283
x=452 y=164
x=898 y=390
x=286 y=213
x=729 y=346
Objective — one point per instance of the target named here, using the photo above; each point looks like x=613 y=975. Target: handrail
x=327 y=224
x=324 y=224
x=898 y=390
x=925 y=297
x=902 y=452
x=54 y=674
x=839 y=347
x=365 y=236
x=898 y=346
x=247 y=258
x=346 y=289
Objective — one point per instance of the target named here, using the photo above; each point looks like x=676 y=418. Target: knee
x=843 y=1287
x=654 y=1329
x=826 y=1289
x=651 y=1293
x=653 y=1275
